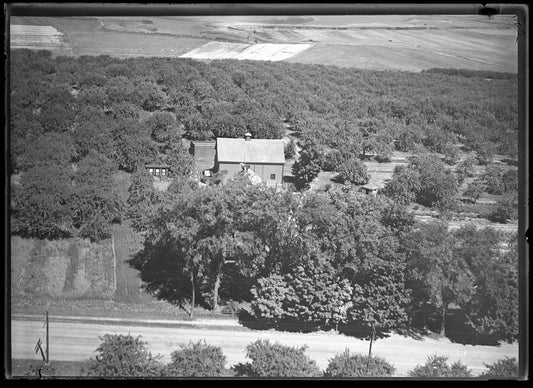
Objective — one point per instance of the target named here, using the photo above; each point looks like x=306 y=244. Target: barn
x=265 y=157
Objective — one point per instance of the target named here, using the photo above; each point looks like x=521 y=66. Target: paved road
x=77 y=338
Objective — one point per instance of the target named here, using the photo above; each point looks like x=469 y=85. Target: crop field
x=37 y=37
x=263 y=52
x=385 y=42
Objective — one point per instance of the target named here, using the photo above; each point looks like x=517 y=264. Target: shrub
x=353 y=171
x=466 y=167
x=474 y=190
x=437 y=366
x=332 y=160
x=355 y=365
x=507 y=367
x=312 y=295
x=290 y=149
x=276 y=360
x=507 y=210
x=123 y=356
x=196 y=360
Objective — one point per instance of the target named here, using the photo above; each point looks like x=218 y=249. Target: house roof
x=250 y=151
x=371 y=186
x=157 y=166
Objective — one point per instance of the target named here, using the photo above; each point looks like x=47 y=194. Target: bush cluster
x=196 y=360
x=437 y=366
x=276 y=360
x=126 y=356
x=356 y=365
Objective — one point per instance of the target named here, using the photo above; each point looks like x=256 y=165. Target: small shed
x=370 y=189
x=159 y=171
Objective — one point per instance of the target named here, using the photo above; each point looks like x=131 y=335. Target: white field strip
x=241 y=51
x=24 y=36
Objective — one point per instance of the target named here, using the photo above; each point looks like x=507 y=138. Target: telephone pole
x=47 y=361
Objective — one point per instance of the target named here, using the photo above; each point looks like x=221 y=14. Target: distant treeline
x=467 y=73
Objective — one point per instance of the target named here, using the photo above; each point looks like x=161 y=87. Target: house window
x=156 y=171
x=272 y=176
x=151 y=171
x=163 y=171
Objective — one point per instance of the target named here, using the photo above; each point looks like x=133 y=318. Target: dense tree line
x=338 y=259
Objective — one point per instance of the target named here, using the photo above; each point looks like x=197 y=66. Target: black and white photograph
x=287 y=191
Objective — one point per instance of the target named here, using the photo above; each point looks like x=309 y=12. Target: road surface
x=73 y=339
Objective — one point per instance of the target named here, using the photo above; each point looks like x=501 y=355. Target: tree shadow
x=248 y=320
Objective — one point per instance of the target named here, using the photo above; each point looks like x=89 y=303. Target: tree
x=353 y=171
x=142 y=200
x=494 y=180
x=312 y=295
x=94 y=199
x=507 y=367
x=379 y=298
x=162 y=127
x=123 y=356
x=403 y=186
x=40 y=204
x=355 y=365
x=466 y=166
x=133 y=147
x=437 y=184
x=307 y=167
x=193 y=236
x=438 y=277
x=290 y=149
x=50 y=149
x=179 y=159
x=437 y=366
x=276 y=360
x=196 y=360
x=492 y=312
x=506 y=210
x=474 y=190
x=451 y=154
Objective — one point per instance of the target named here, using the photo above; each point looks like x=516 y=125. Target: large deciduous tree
x=194 y=236
x=307 y=167
x=437 y=276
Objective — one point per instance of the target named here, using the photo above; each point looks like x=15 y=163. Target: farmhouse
x=265 y=157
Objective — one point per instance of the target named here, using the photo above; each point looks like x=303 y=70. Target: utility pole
x=372 y=336
x=47 y=361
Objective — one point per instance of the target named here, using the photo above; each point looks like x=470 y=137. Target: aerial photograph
x=259 y=196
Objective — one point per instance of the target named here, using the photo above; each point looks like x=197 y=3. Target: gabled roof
x=371 y=186
x=250 y=151
x=156 y=165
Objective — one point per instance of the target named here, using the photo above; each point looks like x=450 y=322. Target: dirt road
x=77 y=339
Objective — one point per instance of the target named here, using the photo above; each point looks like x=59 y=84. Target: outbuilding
x=370 y=189
x=159 y=171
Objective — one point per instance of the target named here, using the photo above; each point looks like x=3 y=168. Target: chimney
x=247 y=136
